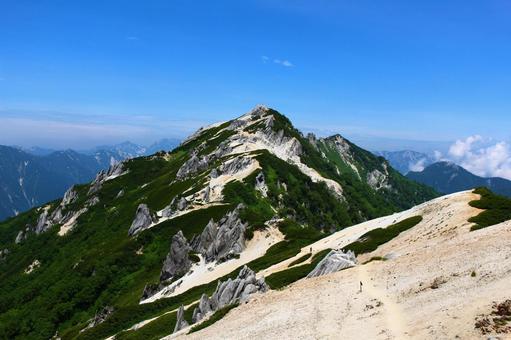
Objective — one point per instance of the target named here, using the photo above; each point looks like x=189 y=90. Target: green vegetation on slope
x=288 y=276
x=374 y=238
x=300 y=260
x=497 y=209
x=213 y=318
x=154 y=330
x=97 y=264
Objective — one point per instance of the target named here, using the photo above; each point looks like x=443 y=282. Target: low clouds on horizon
x=63 y=131
x=481 y=156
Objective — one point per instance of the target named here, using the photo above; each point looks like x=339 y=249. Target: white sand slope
x=203 y=272
x=397 y=301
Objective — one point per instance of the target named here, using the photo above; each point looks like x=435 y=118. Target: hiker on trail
x=361 y=286
x=311 y=250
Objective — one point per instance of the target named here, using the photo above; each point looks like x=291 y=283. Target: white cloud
x=132 y=38
x=418 y=166
x=438 y=155
x=461 y=147
x=480 y=158
x=281 y=62
x=285 y=63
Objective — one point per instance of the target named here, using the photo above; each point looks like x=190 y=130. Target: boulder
x=181 y=323
x=177 y=262
x=143 y=219
x=335 y=261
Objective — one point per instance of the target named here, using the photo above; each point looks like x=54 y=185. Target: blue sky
x=385 y=73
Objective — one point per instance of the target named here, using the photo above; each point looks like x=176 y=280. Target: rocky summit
x=159 y=243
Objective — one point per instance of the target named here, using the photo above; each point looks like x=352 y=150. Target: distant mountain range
x=34 y=176
x=447 y=177
x=406 y=160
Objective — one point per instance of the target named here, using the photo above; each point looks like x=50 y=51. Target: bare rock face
x=177 y=262
x=177 y=204
x=115 y=170
x=181 y=322
x=59 y=215
x=193 y=166
x=143 y=219
x=92 y=201
x=260 y=185
x=237 y=290
x=235 y=165
x=43 y=223
x=202 y=310
x=220 y=241
x=230 y=292
x=101 y=316
x=69 y=197
x=3 y=254
x=23 y=234
x=335 y=261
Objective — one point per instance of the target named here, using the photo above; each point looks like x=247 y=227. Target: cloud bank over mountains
x=481 y=156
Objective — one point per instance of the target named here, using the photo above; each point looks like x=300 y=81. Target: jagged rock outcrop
x=114 y=171
x=181 y=322
x=92 y=201
x=143 y=219
x=120 y=193
x=235 y=165
x=177 y=262
x=43 y=222
x=379 y=180
x=149 y=290
x=221 y=241
x=23 y=234
x=3 y=254
x=193 y=166
x=230 y=292
x=60 y=215
x=69 y=197
x=260 y=184
x=177 y=204
x=335 y=261
x=101 y=316
x=203 y=309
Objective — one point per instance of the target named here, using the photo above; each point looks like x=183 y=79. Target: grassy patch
x=156 y=329
x=288 y=276
x=375 y=258
x=300 y=260
x=374 y=238
x=214 y=318
x=497 y=209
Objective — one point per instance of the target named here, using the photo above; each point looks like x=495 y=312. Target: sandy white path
x=399 y=298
